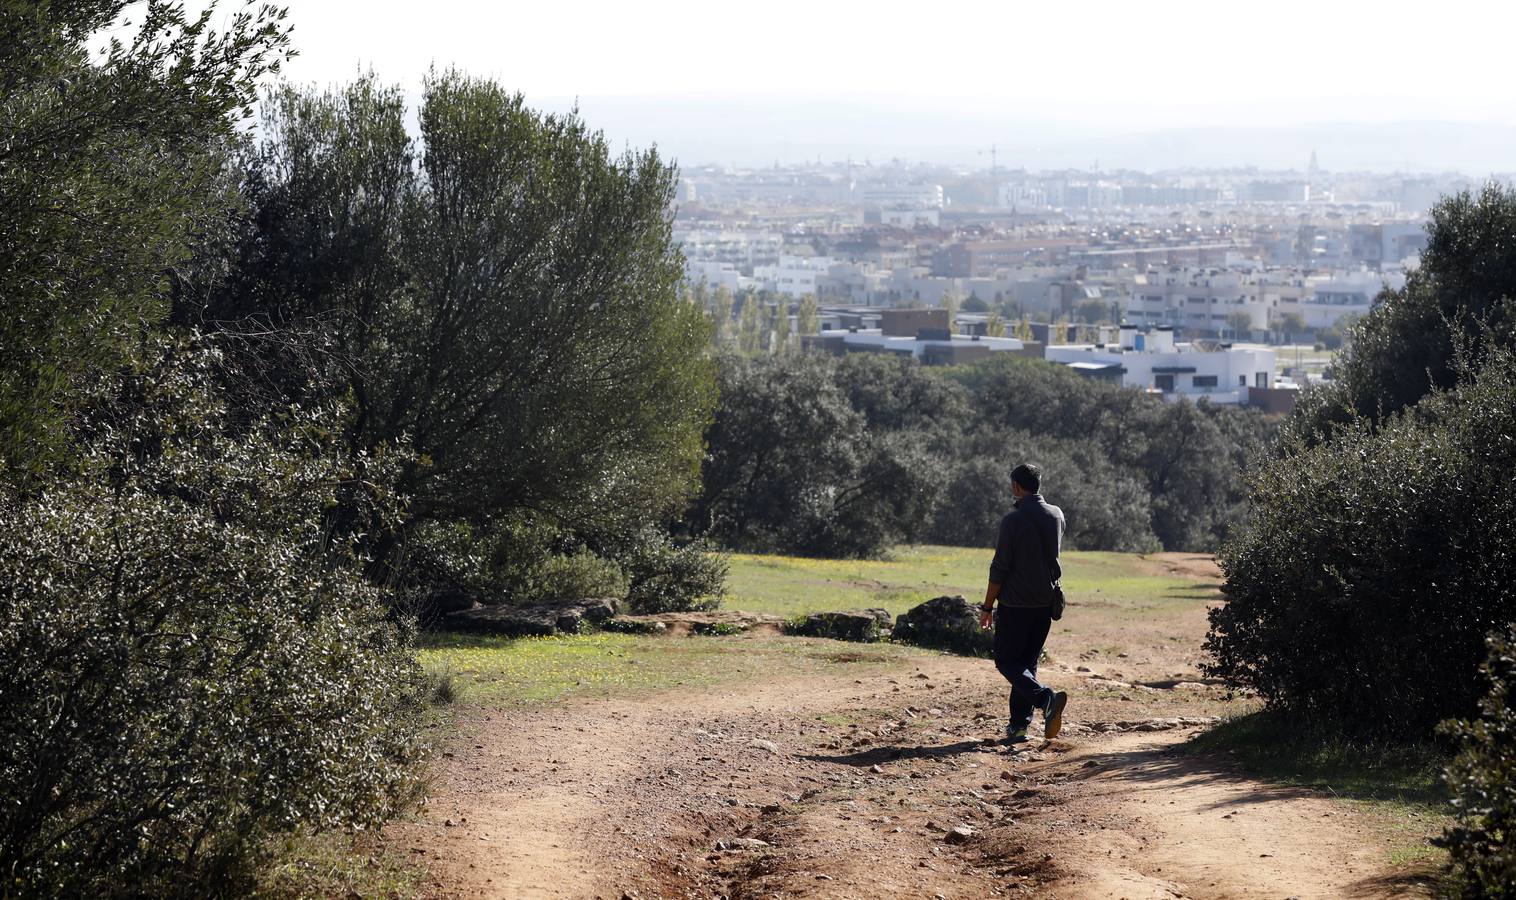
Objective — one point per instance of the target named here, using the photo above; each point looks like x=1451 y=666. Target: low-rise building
x=1151 y=360
x=923 y=334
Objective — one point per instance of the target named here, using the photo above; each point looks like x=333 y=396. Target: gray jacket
x=1026 y=565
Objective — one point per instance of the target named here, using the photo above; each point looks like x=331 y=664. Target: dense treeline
x=259 y=396
x=818 y=455
x=1379 y=554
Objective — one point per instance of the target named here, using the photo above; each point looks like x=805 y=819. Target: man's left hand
x=986 y=616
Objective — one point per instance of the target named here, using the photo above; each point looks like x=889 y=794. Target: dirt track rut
x=855 y=783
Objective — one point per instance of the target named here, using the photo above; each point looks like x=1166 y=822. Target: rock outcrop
x=563 y=617
x=863 y=625
x=706 y=622
x=945 y=623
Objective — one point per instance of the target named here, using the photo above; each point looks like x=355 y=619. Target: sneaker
x=1053 y=714
x=1016 y=735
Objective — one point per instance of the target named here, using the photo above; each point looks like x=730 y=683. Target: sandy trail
x=862 y=778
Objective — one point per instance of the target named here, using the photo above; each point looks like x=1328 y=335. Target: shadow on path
x=889 y=752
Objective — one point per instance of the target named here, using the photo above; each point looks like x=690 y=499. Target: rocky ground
x=881 y=781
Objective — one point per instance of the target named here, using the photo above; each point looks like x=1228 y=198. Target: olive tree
x=110 y=167
x=501 y=294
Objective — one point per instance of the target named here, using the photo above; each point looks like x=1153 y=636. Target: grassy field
x=1117 y=594
x=788 y=585
x=1303 y=356
x=505 y=671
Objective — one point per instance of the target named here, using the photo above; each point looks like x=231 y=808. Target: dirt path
x=855 y=783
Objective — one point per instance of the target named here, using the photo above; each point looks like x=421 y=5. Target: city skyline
x=1170 y=85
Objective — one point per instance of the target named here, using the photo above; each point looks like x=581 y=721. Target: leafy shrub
x=1483 y=777
x=193 y=661
x=847 y=457
x=570 y=576
x=1373 y=566
x=665 y=577
x=1410 y=343
x=1106 y=509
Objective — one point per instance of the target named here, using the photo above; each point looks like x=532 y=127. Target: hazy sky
x=1059 y=70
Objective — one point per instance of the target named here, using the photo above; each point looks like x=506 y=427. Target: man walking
x=1023 y=576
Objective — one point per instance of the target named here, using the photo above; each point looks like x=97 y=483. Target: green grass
x=515 y=671
x=1275 y=748
x=1306 y=356
x=789 y=585
x=337 y=865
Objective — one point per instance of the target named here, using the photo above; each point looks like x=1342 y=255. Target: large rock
x=865 y=625
x=563 y=617
x=946 y=623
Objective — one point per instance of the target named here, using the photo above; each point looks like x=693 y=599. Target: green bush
x=571 y=576
x=1482 y=843
x=1373 y=566
x=193 y=662
x=665 y=577
x=847 y=457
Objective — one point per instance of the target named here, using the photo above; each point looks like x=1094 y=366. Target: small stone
x=959 y=834
x=762 y=744
x=876 y=769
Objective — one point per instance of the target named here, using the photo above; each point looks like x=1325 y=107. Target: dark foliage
x=1462 y=298
x=666 y=577
x=109 y=170
x=1373 y=565
x=793 y=466
x=1379 y=554
x=501 y=296
x=193 y=661
x=846 y=457
x=1482 y=843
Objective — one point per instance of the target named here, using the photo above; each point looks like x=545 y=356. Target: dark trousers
x=1020 y=632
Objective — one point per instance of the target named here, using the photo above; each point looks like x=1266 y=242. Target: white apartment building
x=1343 y=294
x=716 y=274
x=793 y=276
x=1021 y=195
x=910 y=218
x=1152 y=361
x=1200 y=299
x=743 y=249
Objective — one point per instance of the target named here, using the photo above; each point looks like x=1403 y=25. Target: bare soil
x=856 y=780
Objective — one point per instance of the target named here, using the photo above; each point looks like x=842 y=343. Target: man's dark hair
x=1029 y=476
